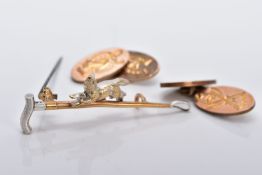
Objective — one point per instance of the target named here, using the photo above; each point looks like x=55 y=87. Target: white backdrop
x=192 y=40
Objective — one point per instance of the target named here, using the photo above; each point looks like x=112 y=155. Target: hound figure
x=94 y=92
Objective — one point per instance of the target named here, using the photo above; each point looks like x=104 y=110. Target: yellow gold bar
x=55 y=105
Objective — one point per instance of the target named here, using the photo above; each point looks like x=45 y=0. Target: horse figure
x=93 y=92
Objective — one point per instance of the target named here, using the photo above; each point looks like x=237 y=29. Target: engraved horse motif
x=93 y=92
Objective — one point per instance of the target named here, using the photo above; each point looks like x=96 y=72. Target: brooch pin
x=94 y=95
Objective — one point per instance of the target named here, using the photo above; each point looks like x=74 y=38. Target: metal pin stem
x=51 y=74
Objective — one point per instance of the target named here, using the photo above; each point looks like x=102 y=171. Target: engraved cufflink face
x=140 y=67
x=112 y=63
x=224 y=100
x=218 y=100
x=104 y=64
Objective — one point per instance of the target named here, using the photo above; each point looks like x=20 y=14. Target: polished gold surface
x=140 y=67
x=104 y=64
x=47 y=95
x=188 y=83
x=55 y=105
x=224 y=100
x=189 y=87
